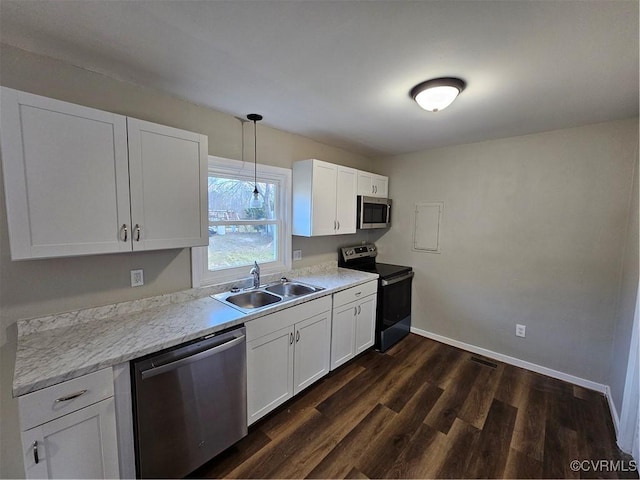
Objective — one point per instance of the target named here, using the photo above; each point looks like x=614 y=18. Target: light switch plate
x=297 y=254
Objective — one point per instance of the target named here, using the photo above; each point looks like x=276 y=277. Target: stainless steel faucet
x=255 y=272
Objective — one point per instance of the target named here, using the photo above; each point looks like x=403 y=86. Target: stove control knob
x=349 y=252
x=372 y=248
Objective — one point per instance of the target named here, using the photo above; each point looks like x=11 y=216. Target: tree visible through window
x=241 y=232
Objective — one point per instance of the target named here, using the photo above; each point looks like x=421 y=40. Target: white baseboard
x=598 y=387
x=613 y=410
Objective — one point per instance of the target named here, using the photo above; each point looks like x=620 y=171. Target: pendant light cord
x=254 y=117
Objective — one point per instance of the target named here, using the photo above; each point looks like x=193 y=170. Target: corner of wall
x=11 y=446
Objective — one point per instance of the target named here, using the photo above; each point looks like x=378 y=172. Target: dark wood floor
x=427 y=410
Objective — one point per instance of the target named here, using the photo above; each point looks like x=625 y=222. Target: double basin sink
x=264 y=296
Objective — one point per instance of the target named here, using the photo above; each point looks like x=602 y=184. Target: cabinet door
x=168 y=170
x=364 y=184
x=312 y=350
x=269 y=372
x=81 y=444
x=324 y=198
x=365 y=324
x=346 y=208
x=66 y=177
x=343 y=331
x=380 y=186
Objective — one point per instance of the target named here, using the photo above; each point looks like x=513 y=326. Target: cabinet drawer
x=49 y=403
x=285 y=318
x=354 y=293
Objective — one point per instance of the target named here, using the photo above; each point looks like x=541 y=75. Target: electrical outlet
x=521 y=330
x=137 y=278
x=297 y=254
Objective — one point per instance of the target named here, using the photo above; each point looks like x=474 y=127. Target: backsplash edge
x=67 y=319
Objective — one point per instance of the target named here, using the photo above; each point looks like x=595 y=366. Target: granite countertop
x=61 y=347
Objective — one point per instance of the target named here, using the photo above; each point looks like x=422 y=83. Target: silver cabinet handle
x=291 y=338
x=126 y=233
x=338 y=224
x=137 y=228
x=359 y=309
x=355 y=311
x=71 y=396
x=335 y=225
x=35 y=452
x=357 y=294
x=297 y=336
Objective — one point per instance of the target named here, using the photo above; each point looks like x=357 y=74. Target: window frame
x=201 y=276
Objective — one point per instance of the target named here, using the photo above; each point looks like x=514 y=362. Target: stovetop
x=388 y=270
x=363 y=258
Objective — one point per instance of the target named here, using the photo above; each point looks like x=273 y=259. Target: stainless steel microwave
x=374 y=212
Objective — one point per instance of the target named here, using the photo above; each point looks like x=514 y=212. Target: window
x=239 y=232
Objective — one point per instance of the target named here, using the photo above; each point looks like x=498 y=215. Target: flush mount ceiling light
x=437 y=94
x=255 y=201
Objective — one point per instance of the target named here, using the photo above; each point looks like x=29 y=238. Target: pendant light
x=437 y=94
x=255 y=200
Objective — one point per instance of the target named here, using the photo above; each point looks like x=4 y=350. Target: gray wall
x=626 y=303
x=533 y=232
x=42 y=287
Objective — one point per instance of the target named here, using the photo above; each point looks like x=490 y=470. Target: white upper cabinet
x=75 y=185
x=168 y=172
x=372 y=184
x=346 y=202
x=66 y=177
x=324 y=198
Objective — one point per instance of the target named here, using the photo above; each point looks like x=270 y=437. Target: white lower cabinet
x=311 y=359
x=69 y=429
x=354 y=320
x=269 y=372
x=81 y=444
x=286 y=352
x=366 y=323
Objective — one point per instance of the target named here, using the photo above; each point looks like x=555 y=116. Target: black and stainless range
x=393 y=313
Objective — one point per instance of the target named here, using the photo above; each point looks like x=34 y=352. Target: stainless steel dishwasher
x=189 y=404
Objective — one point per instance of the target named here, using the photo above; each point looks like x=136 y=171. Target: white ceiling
x=340 y=71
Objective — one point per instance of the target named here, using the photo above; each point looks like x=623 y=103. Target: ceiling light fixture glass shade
x=255 y=202
x=437 y=94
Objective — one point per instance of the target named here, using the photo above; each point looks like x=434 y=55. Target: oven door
x=393 y=319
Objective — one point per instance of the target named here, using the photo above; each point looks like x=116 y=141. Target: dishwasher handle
x=152 y=372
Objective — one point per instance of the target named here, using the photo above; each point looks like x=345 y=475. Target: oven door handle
x=385 y=283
